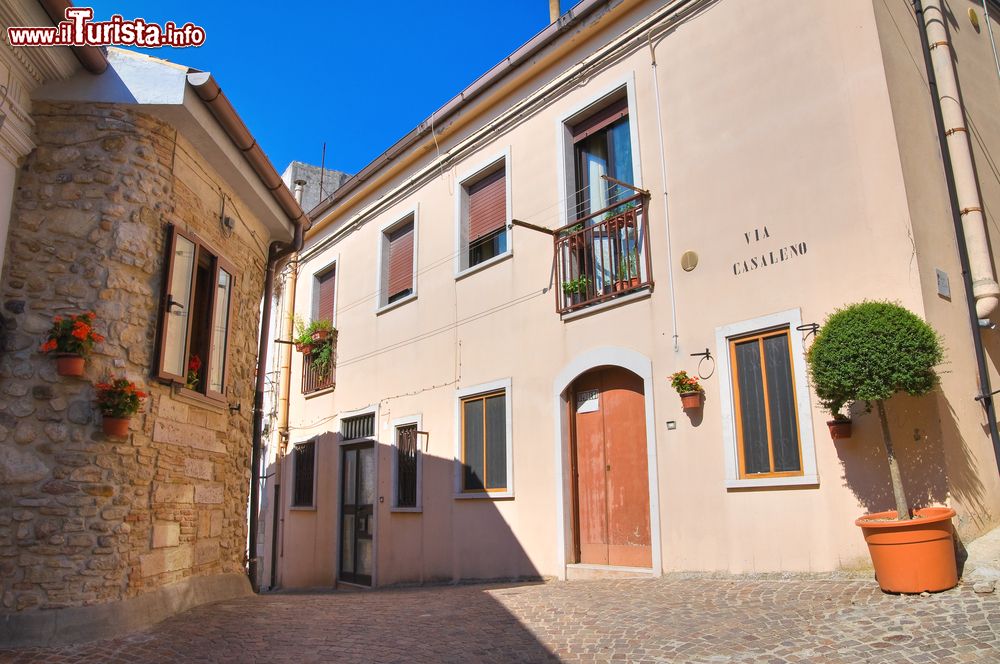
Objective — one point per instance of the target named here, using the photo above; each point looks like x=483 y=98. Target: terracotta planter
x=839 y=429
x=303 y=348
x=320 y=335
x=627 y=284
x=691 y=400
x=70 y=365
x=912 y=556
x=116 y=427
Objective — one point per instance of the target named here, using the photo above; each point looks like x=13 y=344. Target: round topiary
x=868 y=352
x=871 y=350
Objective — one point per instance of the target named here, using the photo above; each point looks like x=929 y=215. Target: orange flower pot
x=691 y=400
x=839 y=429
x=116 y=427
x=912 y=556
x=320 y=336
x=70 y=365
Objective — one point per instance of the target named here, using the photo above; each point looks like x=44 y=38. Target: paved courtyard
x=667 y=620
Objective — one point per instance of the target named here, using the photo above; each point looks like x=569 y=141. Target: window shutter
x=326 y=282
x=611 y=113
x=400 y=277
x=487 y=205
x=178 y=294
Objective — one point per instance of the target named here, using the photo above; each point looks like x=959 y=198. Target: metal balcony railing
x=313 y=379
x=602 y=256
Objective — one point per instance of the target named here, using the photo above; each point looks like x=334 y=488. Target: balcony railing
x=313 y=378
x=602 y=256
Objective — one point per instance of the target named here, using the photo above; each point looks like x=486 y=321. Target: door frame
x=360 y=444
x=339 y=501
x=604 y=356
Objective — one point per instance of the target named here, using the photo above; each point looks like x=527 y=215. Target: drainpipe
x=958 y=151
x=287 y=326
x=276 y=252
x=663 y=175
x=554 y=11
x=959 y=219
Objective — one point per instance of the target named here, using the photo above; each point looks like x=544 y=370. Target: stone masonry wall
x=85 y=519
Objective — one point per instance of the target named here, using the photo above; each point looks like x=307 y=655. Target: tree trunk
x=902 y=507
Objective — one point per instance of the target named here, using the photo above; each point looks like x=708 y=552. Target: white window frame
x=566 y=172
x=291 y=494
x=348 y=414
x=314 y=304
x=395 y=424
x=461 y=210
x=791 y=319
x=382 y=268
x=471 y=391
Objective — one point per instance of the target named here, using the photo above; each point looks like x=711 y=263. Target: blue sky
x=358 y=75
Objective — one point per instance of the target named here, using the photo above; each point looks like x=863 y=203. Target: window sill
x=302 y=508
x=774 y=482
x=407 y=510
x=198 y=399
x=499 y=258
x=610 y=304
x=487 y=495
x=392 y=305
x=319 y=393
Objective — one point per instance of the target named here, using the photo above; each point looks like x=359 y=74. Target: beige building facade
x=719 y=177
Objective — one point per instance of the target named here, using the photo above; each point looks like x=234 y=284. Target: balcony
x=316 y=378
x=602 y=256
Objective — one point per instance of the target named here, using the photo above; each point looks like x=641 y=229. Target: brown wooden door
x=612 y=476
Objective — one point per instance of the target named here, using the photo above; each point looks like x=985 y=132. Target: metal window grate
x=406 y=466
x=360 y=426
x=304 y=463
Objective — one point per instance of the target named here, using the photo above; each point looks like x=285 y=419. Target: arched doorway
x=609 y=468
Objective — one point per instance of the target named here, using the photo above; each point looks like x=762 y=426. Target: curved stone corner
x=77 y=624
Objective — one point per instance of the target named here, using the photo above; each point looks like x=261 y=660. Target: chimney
x=554 y=12
x=299 y=185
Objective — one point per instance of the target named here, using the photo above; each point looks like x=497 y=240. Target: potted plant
x=193 y=373
x=322 y=356
x=71 y=338
x=689 y=389
x=869 y=352
x=320 y=330
x=628 y=272
x=303 y=337
x=575 y=241
x=840 y=426
x=576 y=289
x=118 y=400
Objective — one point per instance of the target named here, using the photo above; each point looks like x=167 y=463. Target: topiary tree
x=868 y=352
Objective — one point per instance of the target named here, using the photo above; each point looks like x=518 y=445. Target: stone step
x=581 y=571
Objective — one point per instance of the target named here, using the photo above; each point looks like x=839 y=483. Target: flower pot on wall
x=691 y=400
x=839 y=429
x=320 y=335
x=69 y=364
x=912 y=556
x=116 y=427
x=303 y=348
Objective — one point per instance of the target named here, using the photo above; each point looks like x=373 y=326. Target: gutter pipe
x=92 y=58
x=958 y=153
x=985 y=396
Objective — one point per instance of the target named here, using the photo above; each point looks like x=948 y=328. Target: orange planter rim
x=928 y=516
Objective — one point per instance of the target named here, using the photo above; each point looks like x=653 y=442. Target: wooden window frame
x=412 y=421
x=791 y=319
x=295 y=476
x=382 y=303
x=318 y=276
x=482 y=391
x=219 y=263
x=759 y=337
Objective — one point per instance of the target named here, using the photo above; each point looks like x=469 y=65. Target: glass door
x=357 y=469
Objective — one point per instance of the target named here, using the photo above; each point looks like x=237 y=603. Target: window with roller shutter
x=325 y=284
x=484 y=215
x=398 y=262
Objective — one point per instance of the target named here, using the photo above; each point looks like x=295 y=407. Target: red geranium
x=73 y=335
x=119 y=397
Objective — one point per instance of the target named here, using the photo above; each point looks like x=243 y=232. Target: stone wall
x=85 y=519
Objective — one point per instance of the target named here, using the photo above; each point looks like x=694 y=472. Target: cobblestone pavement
x=667 y=620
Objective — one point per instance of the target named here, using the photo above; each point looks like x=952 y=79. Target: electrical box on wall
x=943 y=285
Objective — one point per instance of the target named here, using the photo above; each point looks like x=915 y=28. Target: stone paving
x=668 y=620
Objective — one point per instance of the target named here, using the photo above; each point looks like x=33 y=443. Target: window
x=195 y=316
x=358 y=427
x=484 y=215
x=303 y=467
x=602 y=145
x=484 y=442
x=398 y=262
x=318 y=371
x=407 y=466
x=764 y=395
x=765 y=403
x=325 y=285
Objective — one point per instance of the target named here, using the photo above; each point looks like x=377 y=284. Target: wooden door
x=611 y=470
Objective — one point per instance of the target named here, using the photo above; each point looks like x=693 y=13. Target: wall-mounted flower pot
x=691 y=400
x=69 y=364
x=912 y=556
x=839 y=429
x=320 y=335
x=116 y=427
x=303 y=348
